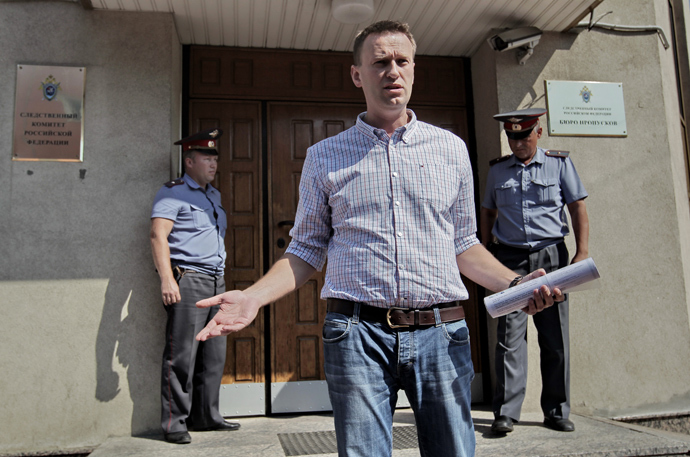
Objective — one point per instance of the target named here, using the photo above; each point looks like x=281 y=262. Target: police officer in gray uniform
x=188 y=227
x=523 y=223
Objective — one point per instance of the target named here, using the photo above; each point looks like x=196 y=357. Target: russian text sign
x=585 y=108
x=49 y=113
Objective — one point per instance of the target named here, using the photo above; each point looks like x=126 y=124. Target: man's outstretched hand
x=543 y=297
x=237 y=310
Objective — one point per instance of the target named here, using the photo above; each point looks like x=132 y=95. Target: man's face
x=525 y=149
x=202 y=167
x=386 y=72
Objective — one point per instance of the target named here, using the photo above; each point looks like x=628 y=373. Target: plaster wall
x=81 y=328
x=630 y=339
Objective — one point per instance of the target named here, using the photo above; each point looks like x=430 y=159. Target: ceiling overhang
x=441 y=27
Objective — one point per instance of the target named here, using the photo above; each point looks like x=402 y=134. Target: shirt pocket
x=506 y=193
x=546 y=189
x=439 y=184
x=203 y=217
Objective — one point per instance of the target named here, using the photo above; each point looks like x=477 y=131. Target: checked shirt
x=390 y=213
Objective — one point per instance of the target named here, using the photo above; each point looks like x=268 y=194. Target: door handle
x=286 y=223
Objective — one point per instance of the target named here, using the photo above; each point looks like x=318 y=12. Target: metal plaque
x=242 y=400
x=585 y=108
x=49 y=113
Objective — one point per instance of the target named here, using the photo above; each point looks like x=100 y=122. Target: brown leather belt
x=183 y=271
x=399 y=317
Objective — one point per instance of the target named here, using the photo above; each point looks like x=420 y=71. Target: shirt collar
x=194 y=185
x=538 y=158
x=190 y=182
x=404 y=132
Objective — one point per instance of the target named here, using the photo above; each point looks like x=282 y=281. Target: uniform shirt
x=391 y=214
x=196 y=239
x=531 y=199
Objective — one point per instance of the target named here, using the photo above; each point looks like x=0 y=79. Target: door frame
x=241 y=74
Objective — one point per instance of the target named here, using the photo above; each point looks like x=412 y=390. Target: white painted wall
x=630 y=339
x=82 y=334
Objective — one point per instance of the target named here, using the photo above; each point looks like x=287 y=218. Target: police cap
x=204 y=141
x=519 y=124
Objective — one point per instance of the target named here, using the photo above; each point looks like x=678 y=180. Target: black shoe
x=560 y=425
x=222 y=427
x=227 y=426
x=178 y=438
x=502 y=424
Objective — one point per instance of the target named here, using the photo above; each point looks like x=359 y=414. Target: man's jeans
x=367 y=363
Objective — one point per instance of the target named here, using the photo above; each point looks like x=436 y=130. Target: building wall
x=82 y=331
x=630 y=339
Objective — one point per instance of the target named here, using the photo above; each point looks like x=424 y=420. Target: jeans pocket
x=336 y=327
x=457 y=332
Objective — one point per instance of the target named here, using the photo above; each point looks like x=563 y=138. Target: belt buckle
x=388 y=318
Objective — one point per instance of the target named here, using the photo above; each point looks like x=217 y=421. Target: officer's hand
x=578 y=257
x=237 y=310
x=170 y=291
x=543 y=297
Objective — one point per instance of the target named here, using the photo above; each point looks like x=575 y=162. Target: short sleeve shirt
x=197 y=237
x=531 y=199
x=390 y=212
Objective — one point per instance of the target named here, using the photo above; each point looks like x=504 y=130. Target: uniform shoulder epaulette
x=557 y=153
x=498 y=160
x=174 y=182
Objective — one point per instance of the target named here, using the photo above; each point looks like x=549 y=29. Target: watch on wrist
x=515 y=281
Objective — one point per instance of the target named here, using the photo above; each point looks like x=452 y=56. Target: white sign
x=585 y=108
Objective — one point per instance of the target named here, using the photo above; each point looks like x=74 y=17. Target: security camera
x=515 y=38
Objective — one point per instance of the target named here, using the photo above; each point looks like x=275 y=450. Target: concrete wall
x=82 y=331
x=630 y=339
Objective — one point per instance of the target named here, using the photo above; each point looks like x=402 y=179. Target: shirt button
x=397 y=203
x=395 y=174
x=400 y=234
x=401 y=267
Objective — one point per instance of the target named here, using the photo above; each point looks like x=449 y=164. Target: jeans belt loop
x=355 y=313
x=437 y=316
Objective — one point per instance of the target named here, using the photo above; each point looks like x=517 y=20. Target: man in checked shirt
x=390 y=203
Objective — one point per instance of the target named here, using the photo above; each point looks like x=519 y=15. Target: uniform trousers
x=192 y=370
x=553 y=338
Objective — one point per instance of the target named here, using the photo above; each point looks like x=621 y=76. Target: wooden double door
x=276 y=364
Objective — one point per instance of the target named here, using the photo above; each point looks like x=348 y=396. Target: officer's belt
x=505 y=247
x=183 y=271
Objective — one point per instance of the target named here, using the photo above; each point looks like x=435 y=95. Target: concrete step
x=260 y=436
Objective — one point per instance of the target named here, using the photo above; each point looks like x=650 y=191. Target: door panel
x=296 y=351
x=239 y=181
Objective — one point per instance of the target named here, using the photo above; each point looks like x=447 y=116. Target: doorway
x=276 y=364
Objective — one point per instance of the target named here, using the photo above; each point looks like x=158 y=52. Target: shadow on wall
x=130 y=324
